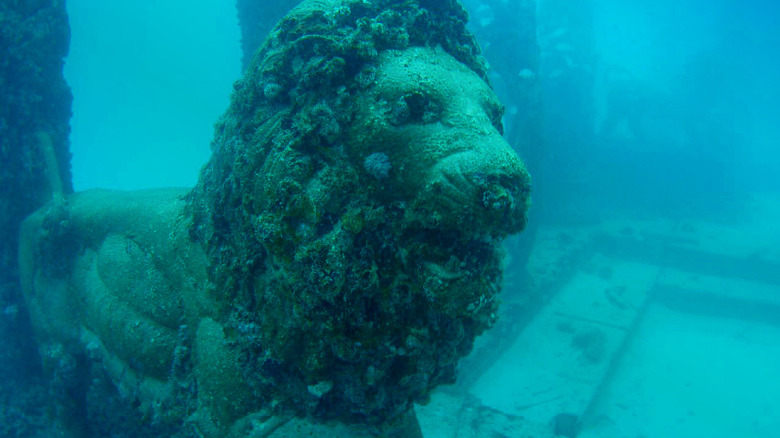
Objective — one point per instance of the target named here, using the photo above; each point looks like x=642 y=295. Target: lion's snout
x=484 y=189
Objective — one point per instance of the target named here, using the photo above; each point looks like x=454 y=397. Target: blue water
x=660 y=43
x=662 y=127
x=149 y=80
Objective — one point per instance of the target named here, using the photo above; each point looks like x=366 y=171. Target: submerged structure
x=35 y=107
x=339 y=254
x=256 y=18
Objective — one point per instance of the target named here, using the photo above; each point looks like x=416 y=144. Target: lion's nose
x=497 y=193
x=485 y=189
x=501 y=197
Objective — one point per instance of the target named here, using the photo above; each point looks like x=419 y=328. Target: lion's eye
x=415 y=107
x=496 y=113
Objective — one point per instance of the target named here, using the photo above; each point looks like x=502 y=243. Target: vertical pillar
x=35 y=110
x=256 y=18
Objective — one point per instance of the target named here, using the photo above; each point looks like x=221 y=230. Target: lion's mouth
x=451 y=254
x=458 y=273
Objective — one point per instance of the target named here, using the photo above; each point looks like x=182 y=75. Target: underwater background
x=643 y=298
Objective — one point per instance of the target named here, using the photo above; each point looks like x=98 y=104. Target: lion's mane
x=319 y=277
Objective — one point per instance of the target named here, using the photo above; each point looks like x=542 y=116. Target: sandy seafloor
x=694 y=376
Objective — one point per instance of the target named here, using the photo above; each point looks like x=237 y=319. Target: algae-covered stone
x=339 y=254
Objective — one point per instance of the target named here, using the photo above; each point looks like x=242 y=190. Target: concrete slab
x=693 y=376
x=457 y=416
x=559 y=361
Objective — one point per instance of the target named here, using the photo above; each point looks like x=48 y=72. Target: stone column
x=257 y=18
x=35 y=110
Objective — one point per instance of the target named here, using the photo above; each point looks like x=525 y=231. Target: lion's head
x=354 y=206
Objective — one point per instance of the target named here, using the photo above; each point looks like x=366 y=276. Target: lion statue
x=338 y=256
